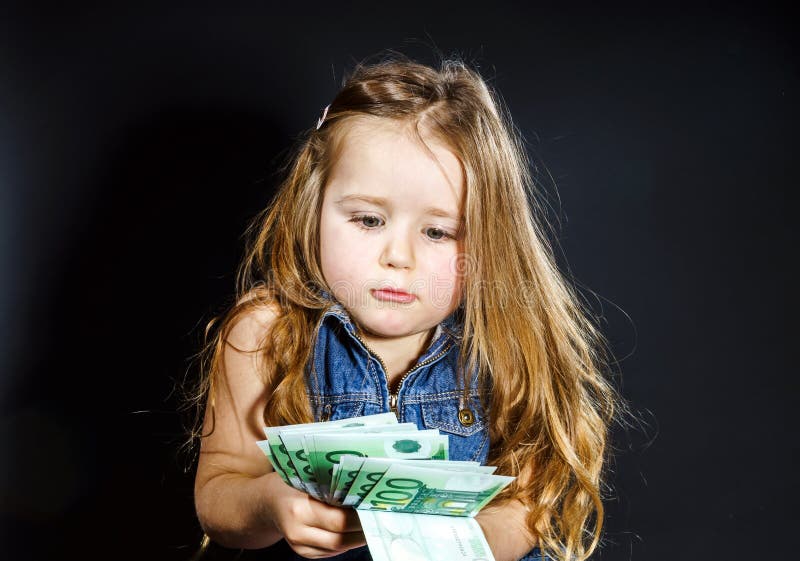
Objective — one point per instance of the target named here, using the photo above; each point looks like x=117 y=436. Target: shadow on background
x=94 y=441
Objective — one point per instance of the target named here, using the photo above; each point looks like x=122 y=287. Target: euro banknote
x=282 y=461
x=394 y=536
x=294 y=441
x=373 y=469
x=325 y=449
x=349 y=468
x=422 y=490
x=264 y=445
x=413 y=502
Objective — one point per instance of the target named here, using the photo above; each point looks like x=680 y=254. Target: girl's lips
x=389 y=295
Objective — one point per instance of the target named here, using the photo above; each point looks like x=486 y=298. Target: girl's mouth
x=389 y=295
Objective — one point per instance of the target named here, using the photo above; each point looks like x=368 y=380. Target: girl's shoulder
x=252 y=322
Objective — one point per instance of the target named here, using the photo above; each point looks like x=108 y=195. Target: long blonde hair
x=527 y=332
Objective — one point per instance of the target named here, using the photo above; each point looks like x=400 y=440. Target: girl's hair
x=526 y=331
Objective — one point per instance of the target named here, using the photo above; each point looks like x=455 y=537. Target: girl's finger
x=353 y=539
x=325 y=543
x=308 y=552
x=335 y=519
x=352 y=522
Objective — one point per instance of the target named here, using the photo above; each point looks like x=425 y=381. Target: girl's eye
x=366 y=221
x=370 y=222
x=437 y=235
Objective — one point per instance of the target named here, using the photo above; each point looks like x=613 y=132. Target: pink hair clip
x=324 y=114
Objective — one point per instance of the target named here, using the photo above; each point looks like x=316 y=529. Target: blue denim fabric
x=345 y=380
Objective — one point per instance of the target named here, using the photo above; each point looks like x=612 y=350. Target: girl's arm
x=505 y=530
x=240 y=501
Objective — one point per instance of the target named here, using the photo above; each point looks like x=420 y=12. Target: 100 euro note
x=280 y=458
x=393 y=536
x=349 y=467
x=373 y=470
x=402 y=535
x=406 y=488
x=294 y=443
x=325 y=450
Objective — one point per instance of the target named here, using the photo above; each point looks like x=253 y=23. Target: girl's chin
x=380 y=324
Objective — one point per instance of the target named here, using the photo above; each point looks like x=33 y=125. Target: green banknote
x=344 y=473
x=294 y=443
x=372 y=470
x=393 y=536
x=334 y=443
x=324 y=450
x=264 y=446
x=406 y=488
x=281 y=457
x=347 y=469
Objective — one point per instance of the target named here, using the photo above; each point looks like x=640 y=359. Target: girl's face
x=390 y=219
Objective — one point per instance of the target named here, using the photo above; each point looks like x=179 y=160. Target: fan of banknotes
x=412 y=501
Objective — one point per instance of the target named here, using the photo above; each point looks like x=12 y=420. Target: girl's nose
x=397 y=253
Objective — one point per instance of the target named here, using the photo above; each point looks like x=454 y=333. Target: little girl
x=401 y=267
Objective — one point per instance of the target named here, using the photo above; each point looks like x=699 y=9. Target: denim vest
x=345 y=379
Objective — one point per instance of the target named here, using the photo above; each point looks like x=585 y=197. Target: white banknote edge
x=462 y=537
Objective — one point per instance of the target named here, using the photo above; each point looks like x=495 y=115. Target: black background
x=135 y=143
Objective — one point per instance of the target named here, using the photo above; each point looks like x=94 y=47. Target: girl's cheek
x=445 y=285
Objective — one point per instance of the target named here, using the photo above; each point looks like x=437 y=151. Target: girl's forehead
x=387 y=155
x=373 y=133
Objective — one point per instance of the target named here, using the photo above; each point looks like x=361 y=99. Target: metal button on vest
x=465 y=417
x=326 y=413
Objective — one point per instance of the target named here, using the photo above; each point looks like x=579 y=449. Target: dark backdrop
x=136 y=143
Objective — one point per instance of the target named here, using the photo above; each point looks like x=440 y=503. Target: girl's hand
x=312 y=528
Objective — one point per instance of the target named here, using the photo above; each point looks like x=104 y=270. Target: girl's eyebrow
x=380 y=201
